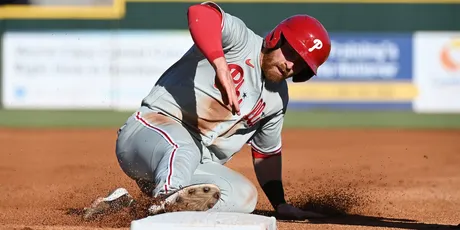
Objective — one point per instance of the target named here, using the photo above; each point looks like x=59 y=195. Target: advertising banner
x=368 y=69
x=364 y=57
x=84 y=69
x=437 y=72
x=116 y=70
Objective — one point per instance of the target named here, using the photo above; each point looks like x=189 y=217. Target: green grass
x=62 y=119
x=295 y=119
x=368 y=119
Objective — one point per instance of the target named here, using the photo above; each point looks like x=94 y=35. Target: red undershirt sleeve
x=205 y=26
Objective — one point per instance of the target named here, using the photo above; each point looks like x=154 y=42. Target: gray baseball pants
x=161 y=156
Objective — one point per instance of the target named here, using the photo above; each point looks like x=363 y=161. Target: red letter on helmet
x=308 y=37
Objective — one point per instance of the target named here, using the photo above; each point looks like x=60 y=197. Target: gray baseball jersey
x=184 y=115
x=187 y=93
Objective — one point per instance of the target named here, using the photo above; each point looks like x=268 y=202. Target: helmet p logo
x=318 y=44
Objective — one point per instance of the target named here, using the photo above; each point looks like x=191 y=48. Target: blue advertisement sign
x=368 y=56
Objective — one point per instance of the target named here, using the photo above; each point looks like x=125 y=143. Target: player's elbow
x=198 y=12
x=193 y=9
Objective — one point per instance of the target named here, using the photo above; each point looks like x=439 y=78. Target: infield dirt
x=400 y=179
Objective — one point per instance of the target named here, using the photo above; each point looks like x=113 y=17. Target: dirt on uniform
x=394 y=178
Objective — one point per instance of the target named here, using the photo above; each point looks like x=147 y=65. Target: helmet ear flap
x=277 y=42
x=272 y=40
x=280 y=42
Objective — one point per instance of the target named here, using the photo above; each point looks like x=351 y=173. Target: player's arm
x=216 y=32
x=268 y=170
x=205 y=25
x=210 y=29
x=267 y=158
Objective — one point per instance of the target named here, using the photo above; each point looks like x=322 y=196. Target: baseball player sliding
x=229 y=89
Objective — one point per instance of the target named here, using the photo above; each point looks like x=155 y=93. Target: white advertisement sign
x=437 y=72
x=86 y=70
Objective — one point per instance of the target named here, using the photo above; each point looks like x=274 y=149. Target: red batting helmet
x=309 y=39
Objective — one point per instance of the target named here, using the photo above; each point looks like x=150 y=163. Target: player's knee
x=249 y=196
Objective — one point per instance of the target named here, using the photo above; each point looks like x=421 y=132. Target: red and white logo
x=256 y=114
x=248 y=62
x=238 y=79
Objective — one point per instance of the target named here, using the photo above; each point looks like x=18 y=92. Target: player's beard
x=269 y=68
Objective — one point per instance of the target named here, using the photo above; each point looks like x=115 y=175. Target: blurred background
x=59 y=2
x=90 y=62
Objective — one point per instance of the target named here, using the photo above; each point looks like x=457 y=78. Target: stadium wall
x=95 y=59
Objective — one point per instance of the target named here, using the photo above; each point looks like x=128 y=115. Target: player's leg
x=161 y=156
x=156 y=152
x=153 y=151
x=238 y=194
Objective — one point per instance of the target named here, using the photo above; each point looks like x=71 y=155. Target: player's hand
x=224 y=83
x=287 y=211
